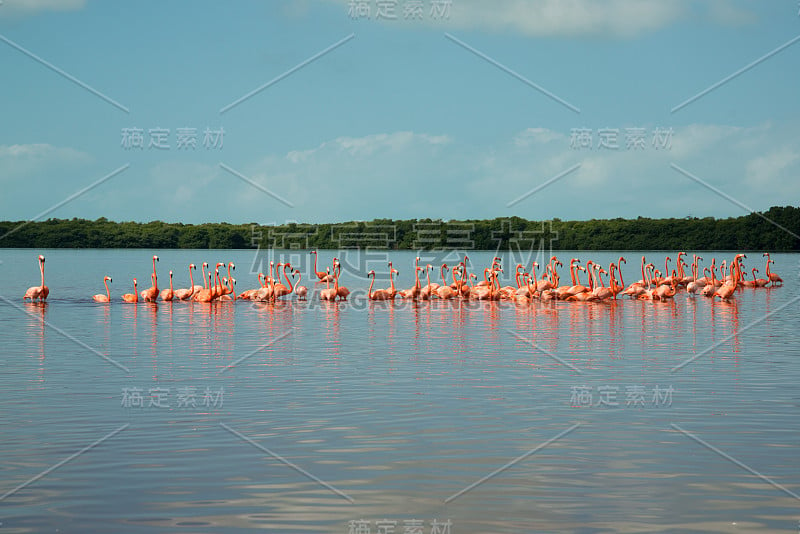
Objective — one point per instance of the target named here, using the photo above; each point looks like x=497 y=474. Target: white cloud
x=728 y=13
x=541 y=18
x=530 y=136
x=770 y=168
x=32 y=7
x=17 y=161
x=621 y=18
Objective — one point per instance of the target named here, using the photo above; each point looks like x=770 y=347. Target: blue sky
x=401 y=120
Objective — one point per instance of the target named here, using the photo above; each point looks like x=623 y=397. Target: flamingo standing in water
x=760 y=282
x=41 y=292
x=104 y=298
x=329 y=293
x=206 y=294
x=199 y=287
x=151 y=293
x=725 y=292
x=168 y=294
x=301 y=291
x=413 y=292
x=772 y=277
x=341 y=291
x=183 y=294
x=322 y=275
x=131 y=297
x=696 y=284
x=378 y=294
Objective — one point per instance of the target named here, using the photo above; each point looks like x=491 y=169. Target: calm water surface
x=307 y=416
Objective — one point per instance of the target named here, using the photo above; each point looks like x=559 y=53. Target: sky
x=341 y=110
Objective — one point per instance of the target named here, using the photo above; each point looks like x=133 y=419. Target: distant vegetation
x=758 y=232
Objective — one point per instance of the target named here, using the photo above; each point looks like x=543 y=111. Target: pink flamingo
x=168 y=294
x=183 y=294
x=301 y=291
x=206 y=294
x=379 y=294
x=151 y=293
x=107 y=297
x=280 y=289
x=41 y=292
x=341 y=291
x=329 y=293
x=320 y=274
x=760 y=282
x=772 y=277
x=445 y=291
x=131 y=297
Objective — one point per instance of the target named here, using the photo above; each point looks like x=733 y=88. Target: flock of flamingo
x=720 y=282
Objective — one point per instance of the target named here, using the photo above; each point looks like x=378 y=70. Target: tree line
x=775 y=230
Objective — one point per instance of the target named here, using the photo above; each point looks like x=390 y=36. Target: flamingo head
x=107 y=278
x=170 y=273
x=41 y=258
x=155 y=258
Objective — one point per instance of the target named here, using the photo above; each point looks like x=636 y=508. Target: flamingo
x=107 y=297
x=41 y=292
x=663 y=291
x=602 y=292
x=168 y=294
x=542 y=284
x=329 y=293
x=151 y=293
x=250 y=294
x=206 y=294
x=760 y=282
x=379 y=294
x=280 y=289
x=445 y=291
x=131 y=297
x=301 y=291
x=341 y=291
x=413 y=292
x=392 y=288
x=425 y=292
x=267 y=292
x=320 y=274
x=711 y=287
x=197 y=287
x=224 y=290
x=697 y=283
x=228 y=292
x=772 y=277
x=183 y=294
x=725 y=292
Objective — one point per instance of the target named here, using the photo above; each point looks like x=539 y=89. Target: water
x=307 y=416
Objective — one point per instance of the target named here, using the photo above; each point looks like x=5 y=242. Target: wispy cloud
x=12 y=8
x=18 y=161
